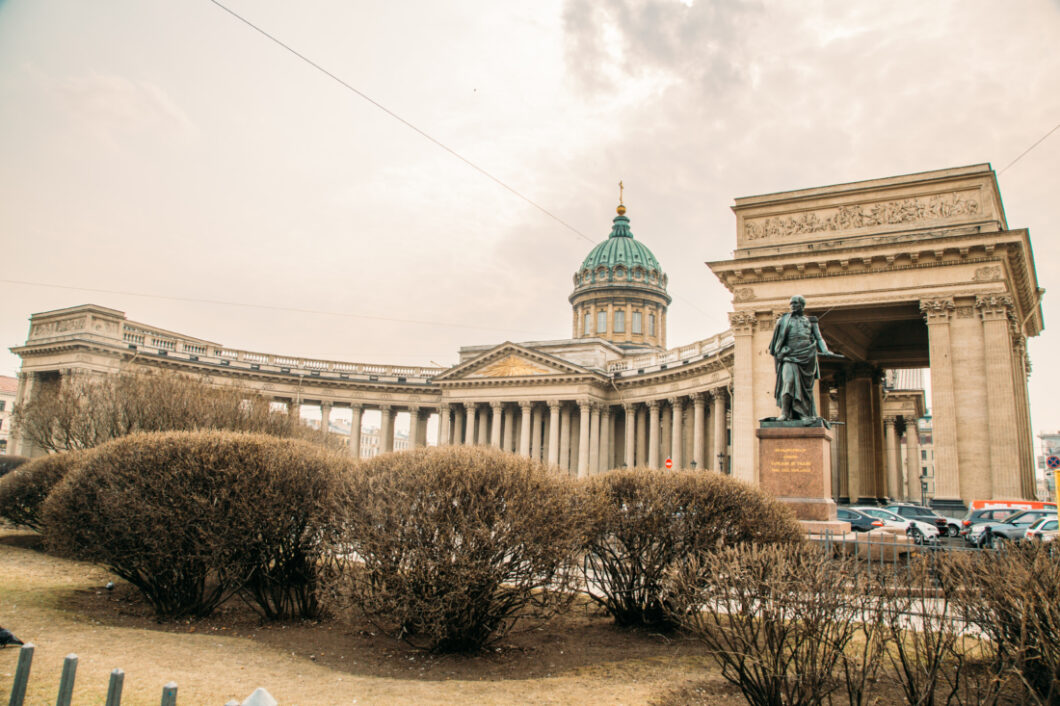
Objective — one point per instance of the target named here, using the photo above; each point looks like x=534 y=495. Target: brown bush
x=649 y=521
x=81 y=411
x=454 y=545
x=781 y=621
x=190 y=518
x=22 y=492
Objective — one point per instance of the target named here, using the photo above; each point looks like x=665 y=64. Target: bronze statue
x=796 y=343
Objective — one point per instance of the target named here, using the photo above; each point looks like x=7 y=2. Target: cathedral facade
x=904 y=273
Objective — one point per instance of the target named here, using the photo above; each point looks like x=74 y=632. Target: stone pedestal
x=795 y=466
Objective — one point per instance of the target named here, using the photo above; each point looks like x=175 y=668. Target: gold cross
x=620 y=187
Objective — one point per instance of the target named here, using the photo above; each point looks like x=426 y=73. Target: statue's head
x=798 y=303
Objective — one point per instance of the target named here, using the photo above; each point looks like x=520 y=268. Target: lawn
x=62 y=607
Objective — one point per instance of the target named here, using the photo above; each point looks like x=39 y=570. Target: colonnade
x=586 y=436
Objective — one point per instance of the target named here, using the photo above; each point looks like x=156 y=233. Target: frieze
x=52 y=328
x=987 y=274
x=855 y=216
x=744 y=294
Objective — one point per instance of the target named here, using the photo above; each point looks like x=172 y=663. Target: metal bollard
x=169 y=694
x=117 y=680
x=25 y=661
x=66 y=683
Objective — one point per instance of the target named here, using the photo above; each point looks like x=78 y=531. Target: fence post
x=25 y=661
x=66 y=683
x=169 y=694
x=117 y=680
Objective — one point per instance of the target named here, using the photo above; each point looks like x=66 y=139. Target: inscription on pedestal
x=795 y=466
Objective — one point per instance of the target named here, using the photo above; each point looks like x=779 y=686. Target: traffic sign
x=1053 y=462
x=670 y=463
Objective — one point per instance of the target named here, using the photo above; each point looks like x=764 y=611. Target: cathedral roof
x=620 y=248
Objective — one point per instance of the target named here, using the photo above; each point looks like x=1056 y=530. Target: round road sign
x=670 y=462
x=1053 y=462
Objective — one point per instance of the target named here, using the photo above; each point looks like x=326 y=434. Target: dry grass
x=60 y=605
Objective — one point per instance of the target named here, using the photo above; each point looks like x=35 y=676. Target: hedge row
x=446 y=548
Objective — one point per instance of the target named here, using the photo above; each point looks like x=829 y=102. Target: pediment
x=510 y=360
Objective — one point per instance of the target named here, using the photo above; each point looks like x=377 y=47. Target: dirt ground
x=62 y=607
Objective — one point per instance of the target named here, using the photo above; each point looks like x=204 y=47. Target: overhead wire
x=422 y=133
x=1042 y=139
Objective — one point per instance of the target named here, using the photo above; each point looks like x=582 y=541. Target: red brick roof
x=8 y=385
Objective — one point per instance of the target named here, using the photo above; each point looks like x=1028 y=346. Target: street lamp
x=923 y=489
x=693 y=465
x=721 y=462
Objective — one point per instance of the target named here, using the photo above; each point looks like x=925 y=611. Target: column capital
x=525 y=404
x=385 y=407
x=937 y=311
x=629 y=407
x=356 y=406
x=718 y=393
x=652 y=404
x=677 y=402
x=443 y=408
x=994 y=307
x=585 y=402
x=496 y=405
x=554 y=404
x=699 y=398
x=742 y=323
x=414 y=409
x=890 y=421
x=470 y=406
x=605 y=409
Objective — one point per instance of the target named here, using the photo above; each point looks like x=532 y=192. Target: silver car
x=918 y=530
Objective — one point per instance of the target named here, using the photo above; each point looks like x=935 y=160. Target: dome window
x=620 y=273
x=601 y=322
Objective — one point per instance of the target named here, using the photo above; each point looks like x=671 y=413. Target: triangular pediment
x=510 y=360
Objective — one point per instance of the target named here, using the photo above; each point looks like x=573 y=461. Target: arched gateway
x=904 y=273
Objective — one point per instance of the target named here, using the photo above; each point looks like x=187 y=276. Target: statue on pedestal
x=795 y=346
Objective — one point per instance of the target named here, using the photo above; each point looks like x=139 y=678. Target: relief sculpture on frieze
x=854 y=216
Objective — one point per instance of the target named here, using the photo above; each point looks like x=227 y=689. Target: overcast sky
x=167 y=160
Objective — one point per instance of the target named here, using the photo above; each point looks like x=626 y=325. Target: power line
x=268 y=307
x=1040 y=141
x=417 y=130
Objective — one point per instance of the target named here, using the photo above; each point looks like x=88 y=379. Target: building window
x=651 y=324
x=923 y=454
x=637 y=326
x=2 y=403
x=620 y=322
x=601 y=322
x=588 y=324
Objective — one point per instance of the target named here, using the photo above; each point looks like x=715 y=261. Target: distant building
x=8 y=390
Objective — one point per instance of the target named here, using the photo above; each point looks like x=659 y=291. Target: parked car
x=918 y=530
x=975 y=521
x=859 y=521
x=1013 y=528
x=1045 y=530
x=946 y=526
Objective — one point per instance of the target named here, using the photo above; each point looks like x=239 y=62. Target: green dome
x=620 y=248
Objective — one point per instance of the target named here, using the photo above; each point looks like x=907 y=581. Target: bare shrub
x=1012 y=596
x=22 y=492
x=80 y=411
x=190 y=518
x=450 y=547
x=782 y=621
x=651 y=521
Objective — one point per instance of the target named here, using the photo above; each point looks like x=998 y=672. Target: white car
x=918 y=530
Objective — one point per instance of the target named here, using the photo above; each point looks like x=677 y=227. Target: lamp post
x=721 y=462
x=923 y=489
x=692 y=465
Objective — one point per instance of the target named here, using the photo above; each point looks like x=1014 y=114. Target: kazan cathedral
x=905 y=273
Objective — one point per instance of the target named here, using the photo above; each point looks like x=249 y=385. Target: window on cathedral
x=601 y=322
x=588 y=324
x=651 y=324
x=638 y=326
x=620 y=322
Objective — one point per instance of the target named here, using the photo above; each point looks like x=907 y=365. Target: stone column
x=938 y=312
x=606 y=449
x=860 y=441
x=386 y=428
x=594 y=439
x=458 y=424
x=483 y=422
x=842 y=487
x=666 y=432
x=677 y=404
x=630 y=456
x=325 y=418
x=421 y=437
x=743 y=404
x=996 y=313
x=535 y=433
x=443 y=425
x=553 y=432
x=356 y=410
x=496 y=415
x=699 y=408
x=470 y=413
x=890 y=443
x=642 y=436
x=564 y=437
x=294 y=411
x=653 y=433
x=721 y=441
x=912 y=460
x=583 y=439
x=509 y=429
x=414 y=426
x=526 y=409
